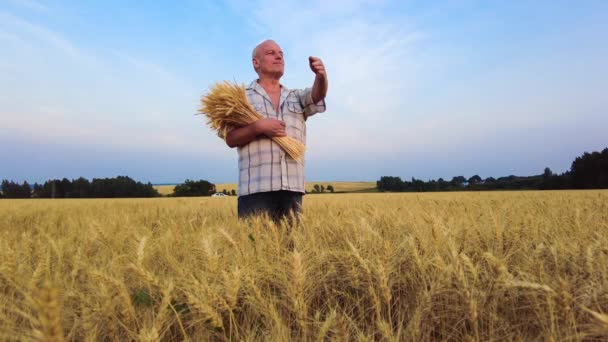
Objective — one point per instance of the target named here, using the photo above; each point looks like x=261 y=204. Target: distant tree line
x=121 y=186
x=589 y=171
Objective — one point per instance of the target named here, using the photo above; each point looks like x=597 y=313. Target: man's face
x=269 y=60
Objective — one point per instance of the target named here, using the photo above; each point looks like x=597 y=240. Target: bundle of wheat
x=226 y=106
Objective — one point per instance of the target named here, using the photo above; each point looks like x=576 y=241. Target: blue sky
x=421 y=89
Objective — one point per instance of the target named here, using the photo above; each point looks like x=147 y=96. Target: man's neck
x=269 y=84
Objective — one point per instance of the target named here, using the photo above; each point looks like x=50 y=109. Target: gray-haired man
x=270 y=181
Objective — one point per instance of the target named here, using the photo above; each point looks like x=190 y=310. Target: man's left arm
x=319 y=88
x=313 y=99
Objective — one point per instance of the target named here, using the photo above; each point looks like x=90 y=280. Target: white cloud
x=58 y=92
x=53 y=125
x=145 y=66
x=11 y=38
x=31 y=4
x=26 y=29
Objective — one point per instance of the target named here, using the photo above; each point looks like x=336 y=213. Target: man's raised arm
x=319 y=88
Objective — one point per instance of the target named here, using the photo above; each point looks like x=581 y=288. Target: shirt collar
x=255 y=86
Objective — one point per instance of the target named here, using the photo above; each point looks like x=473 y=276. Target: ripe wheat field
x=367 y=267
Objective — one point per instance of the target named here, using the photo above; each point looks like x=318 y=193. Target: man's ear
x=256 y=63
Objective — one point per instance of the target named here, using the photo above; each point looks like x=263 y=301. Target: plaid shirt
x=263 y=164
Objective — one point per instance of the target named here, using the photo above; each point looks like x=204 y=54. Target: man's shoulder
x=252 y=85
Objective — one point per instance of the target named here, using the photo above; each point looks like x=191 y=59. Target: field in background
x=338 y=187
x=164 y=189
x=435 y=266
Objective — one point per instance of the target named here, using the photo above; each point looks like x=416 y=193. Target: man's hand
x=316 y=65
x=271 y=127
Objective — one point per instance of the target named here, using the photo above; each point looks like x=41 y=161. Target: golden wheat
x=49 y=314
x=414 y=267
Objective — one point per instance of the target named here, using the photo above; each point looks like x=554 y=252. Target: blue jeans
x=277 y=204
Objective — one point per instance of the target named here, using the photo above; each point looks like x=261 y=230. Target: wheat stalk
x=226 y=107
x=49 y=313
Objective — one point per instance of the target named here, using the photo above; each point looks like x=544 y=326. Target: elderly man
x=270 y=181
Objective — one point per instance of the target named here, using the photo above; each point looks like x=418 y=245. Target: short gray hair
x=255 y=50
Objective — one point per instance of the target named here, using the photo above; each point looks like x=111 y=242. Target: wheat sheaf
x=226 y=107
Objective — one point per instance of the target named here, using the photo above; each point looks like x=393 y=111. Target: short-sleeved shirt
x=263 y=164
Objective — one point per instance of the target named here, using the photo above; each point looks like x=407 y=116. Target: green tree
x=316 y=188
x=81 y=188
x=590 y=171
x=442 y=185
x=11 y=189
x=330 y=188
x=26 y=191
x=458 y=181
x=66 y=186
x=192 y=188
x=474 y=180
x=418 y=185
x=121 y=186
x=389 y=183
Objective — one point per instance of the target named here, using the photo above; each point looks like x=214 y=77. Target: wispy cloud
x=63 y=93
x=31 y=5
x=145 y=66
x=56 y=125
x=19 y=27
x=11 y=39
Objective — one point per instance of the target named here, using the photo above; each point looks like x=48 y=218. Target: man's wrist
x=256 y=127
